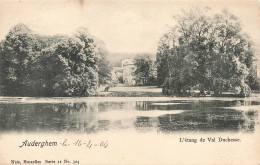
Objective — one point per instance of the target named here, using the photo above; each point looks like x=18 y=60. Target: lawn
x=144 y=91
x=132 y=91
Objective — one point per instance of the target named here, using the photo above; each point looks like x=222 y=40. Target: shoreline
x=142 y=91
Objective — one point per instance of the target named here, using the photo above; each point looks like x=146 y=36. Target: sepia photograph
x=86 y=82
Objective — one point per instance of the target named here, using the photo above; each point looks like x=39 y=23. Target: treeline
x=206 y=52
x=37 y=65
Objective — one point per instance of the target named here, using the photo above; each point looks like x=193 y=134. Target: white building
x=128 y=71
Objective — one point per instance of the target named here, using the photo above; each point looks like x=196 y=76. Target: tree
x=75 y=62
x=104 y=65
x=144 y=69
x=17 y=57
x=252 y=80
x=205 y=51
x=91 y=63
x=162 y=59
x=34 y=65
x=233 y=56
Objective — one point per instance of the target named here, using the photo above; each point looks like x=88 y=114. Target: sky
x=132 y=26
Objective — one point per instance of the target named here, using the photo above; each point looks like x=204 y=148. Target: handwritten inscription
x=65 y=143
x=89 y=144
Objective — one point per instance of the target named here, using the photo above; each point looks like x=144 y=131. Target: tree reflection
x=86 y=117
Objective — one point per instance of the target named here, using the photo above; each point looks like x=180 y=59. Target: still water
x=94 y=115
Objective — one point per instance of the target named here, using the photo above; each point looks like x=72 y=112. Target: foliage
x=252 y=80
x=34 y=65
x=104 y=65
x=16 y=58
x=206 y=51
x=145 y=68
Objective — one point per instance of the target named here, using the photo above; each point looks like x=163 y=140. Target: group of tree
x=37 y=65
x=145 y=72
x=207 y=52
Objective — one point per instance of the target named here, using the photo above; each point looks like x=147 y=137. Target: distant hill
x=116 y=58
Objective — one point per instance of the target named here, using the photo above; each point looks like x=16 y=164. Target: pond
x=94 y=115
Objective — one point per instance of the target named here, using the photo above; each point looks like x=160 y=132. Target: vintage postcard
x=86 y=82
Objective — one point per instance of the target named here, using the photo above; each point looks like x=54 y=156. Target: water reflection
x=160 y=116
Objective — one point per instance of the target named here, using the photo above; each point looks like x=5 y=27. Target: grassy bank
x=132 y=91
x=150 y=91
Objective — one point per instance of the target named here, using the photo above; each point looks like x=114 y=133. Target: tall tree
x=17 y=56
x=144 y=69
x=216 y=52
x=90 y=52
x=104 y=65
